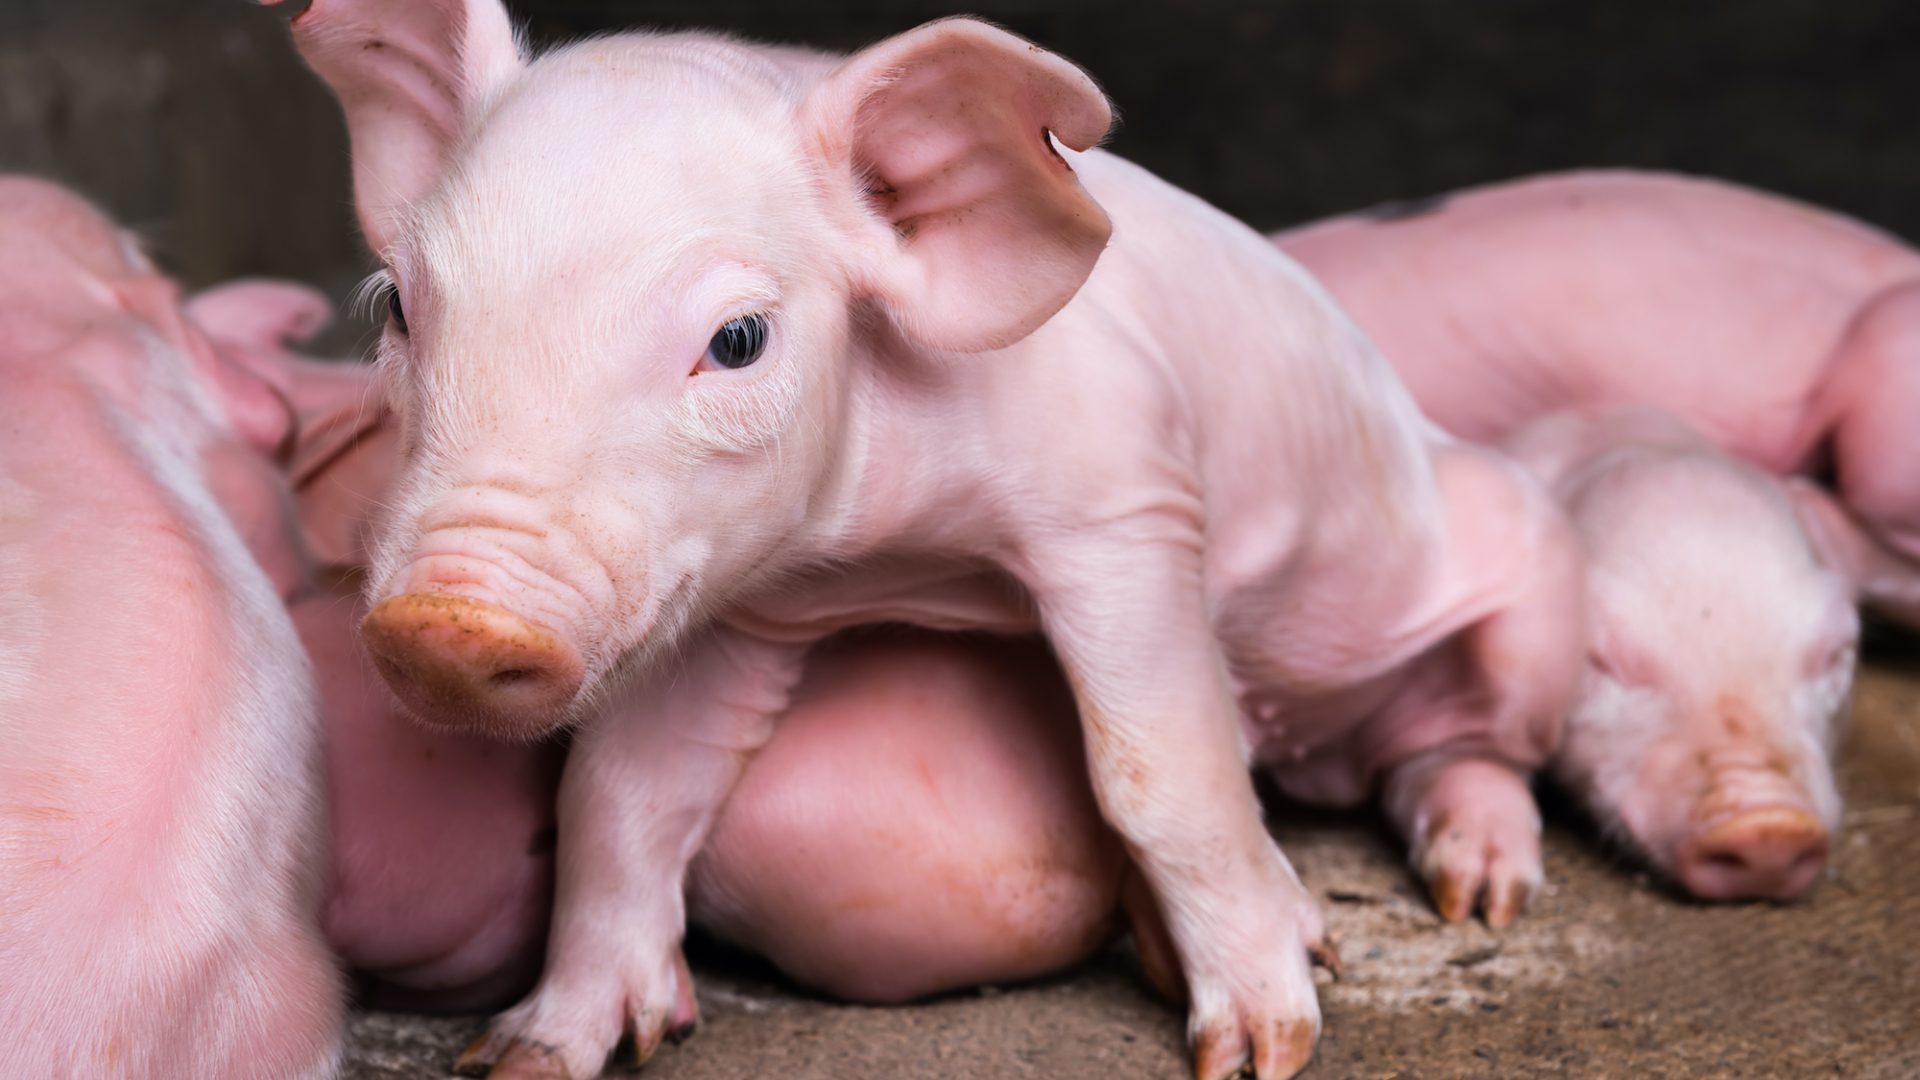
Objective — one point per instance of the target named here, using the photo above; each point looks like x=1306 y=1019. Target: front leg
x=1128 y=619
x=1486 y=709
x=1473 y=832
x=643 y=785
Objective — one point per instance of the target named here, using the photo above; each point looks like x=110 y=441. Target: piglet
x=161 y=829
x=1721 y=652
x=703 y=351
x=840 y=857
x=1786 y=334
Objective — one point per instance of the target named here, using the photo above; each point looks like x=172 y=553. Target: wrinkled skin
x=1787 y=335
x=872 y=890
x=1721 y=653
x=840 y=354
x=160 y=817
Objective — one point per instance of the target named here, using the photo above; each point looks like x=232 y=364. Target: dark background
x=194 y=121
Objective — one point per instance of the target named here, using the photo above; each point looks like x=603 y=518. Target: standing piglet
x=703 y=351
x=160 y=819
x=1721 y=651
x=1787 y=335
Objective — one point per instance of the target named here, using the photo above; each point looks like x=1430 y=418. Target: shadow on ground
x=1608 y=976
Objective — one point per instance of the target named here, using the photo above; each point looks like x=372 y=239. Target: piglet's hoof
x=1491 y=866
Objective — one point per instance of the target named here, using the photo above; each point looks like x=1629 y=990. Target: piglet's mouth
x=473 y=666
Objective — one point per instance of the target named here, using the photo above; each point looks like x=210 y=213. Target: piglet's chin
x=468 y=665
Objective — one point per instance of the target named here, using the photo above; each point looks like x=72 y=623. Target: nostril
x=1771 y=853
x=513 y=676
x=1726 y=861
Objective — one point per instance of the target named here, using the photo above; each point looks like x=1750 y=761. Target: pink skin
x=1184 y=466
x=1721 y=654
x=1786 y=334
x=441 y=872
x=1788 y=337
x=160 y=822
x=921 y=822
x=440 y=876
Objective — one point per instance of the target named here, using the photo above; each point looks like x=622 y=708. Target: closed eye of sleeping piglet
x=1721 y=653
x=160 y=820
x=702 y=351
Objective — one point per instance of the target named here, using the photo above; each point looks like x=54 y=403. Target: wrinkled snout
x=1772 y=853
x=468 y=664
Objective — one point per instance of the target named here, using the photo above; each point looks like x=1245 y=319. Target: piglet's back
x=158 y=782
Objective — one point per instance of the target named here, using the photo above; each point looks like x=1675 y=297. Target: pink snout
x=467 y=664
x=1766 y=854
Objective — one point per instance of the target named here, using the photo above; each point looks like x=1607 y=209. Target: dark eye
x=395 y=312
x=740 y=342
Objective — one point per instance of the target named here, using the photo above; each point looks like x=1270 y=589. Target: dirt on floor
x=1609 y=974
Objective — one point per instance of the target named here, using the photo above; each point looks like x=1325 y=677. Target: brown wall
x=193 y=120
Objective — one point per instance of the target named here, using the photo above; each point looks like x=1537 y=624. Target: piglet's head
x=1722 y=654
x=639 y=288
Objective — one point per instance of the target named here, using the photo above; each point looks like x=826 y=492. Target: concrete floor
x=1607 y=976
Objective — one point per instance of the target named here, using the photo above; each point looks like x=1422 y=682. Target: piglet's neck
x=908 y=479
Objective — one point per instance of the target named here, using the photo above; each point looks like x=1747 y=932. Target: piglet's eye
x=739 y=342
x=395 y=311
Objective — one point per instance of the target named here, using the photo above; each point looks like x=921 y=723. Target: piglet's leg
x=1486 y=710
x=1872 y=398
x=1127 y=617
x=642 y=787
x=1473 y=831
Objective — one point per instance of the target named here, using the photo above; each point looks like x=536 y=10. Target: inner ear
x=948 y=133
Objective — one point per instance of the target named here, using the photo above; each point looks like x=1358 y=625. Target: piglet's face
x=638 y=289
x=618 y=398
x=1721 y=660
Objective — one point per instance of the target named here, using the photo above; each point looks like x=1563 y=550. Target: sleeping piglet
x=1786 y=334
x=1721 y=651
x=703 y=351
x=161 y=831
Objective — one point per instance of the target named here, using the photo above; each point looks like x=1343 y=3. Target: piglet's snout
x=465 y=663
x=1772 y=853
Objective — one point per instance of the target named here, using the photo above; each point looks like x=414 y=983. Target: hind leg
x=1484 y=711
x=921 y=821
x=1874 y=399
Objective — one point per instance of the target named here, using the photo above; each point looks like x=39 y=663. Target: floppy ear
x=343 y=460
x=341 y=456
x=1838 y=541
x=336 y=442
x=260 y=314
x=408 y=74
x=984 y=231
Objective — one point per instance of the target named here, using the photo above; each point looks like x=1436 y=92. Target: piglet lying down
x=704 y=351
x=160 y=820
x=1785 y=334
x=1721 y=652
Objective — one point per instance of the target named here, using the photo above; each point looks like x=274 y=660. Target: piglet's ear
x=985 y=231
x=1838 y=542
x=409 y=74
